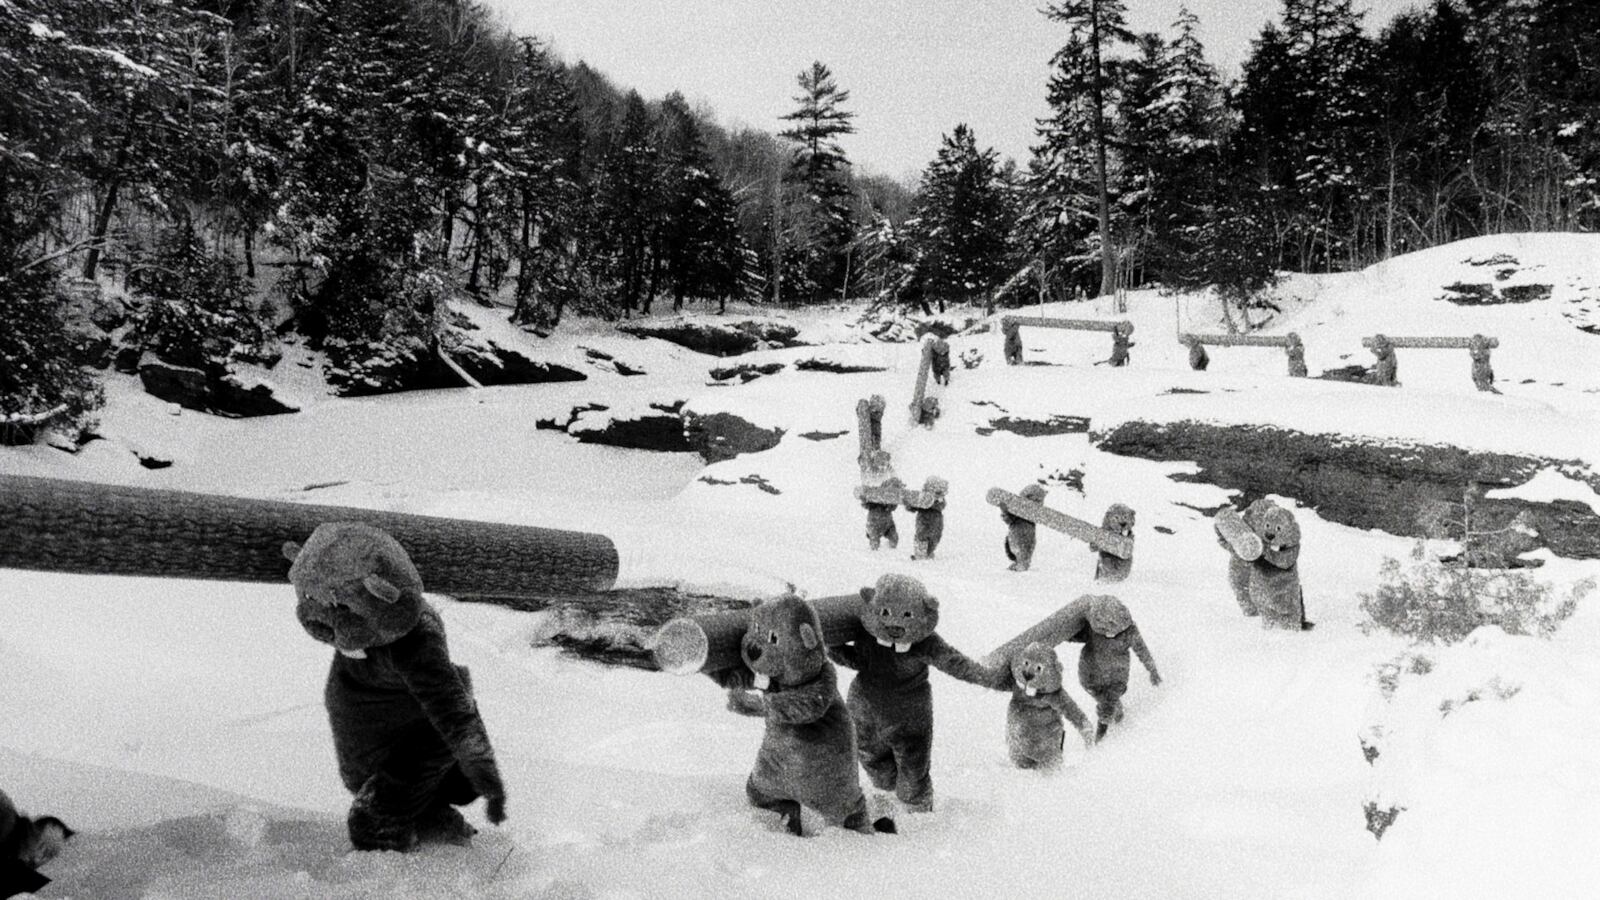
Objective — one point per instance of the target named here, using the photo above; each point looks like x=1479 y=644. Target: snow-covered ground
x=179 y=726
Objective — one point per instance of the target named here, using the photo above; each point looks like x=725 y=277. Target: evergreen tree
x=959 y=235
x=821 y=222
x=1095 y=28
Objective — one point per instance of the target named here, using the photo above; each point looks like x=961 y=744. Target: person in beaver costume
x=406 y=730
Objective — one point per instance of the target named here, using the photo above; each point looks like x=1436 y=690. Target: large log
x=920 y=390
x=710 y=642
x=1238 y=340
x=1120 y=546
x=1056 y=628
x=1076 y=324
x=1430 y=343
x=84 y=527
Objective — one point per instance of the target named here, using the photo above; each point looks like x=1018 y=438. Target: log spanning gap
x=1294 y=349
x=1386 y=369
x=1011 y=329
x=86 y=528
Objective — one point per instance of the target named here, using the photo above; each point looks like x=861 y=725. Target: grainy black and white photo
x=577 y=449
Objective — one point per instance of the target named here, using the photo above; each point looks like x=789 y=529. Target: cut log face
x=1100 y=539
x=1429 y=343
x=864 y=426
x=1054 y=629
x=710 y=642
x=74 y=526
x=896 y=495
x=1246 y=543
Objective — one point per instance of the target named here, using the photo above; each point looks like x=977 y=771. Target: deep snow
x=178 y=725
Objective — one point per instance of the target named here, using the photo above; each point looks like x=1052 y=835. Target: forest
x=343 y=171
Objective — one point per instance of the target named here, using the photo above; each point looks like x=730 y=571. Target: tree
x=1094 y=28
x=822 y=220
x=960 y=232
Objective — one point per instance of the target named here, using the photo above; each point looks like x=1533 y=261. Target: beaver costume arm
x=802 y=703
x=847 y=655
x=1063 y=704
x=1136 y=640
x=422 y=659
x=947 y=659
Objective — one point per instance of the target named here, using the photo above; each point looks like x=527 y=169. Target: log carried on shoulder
x=710 y=642
x=1056 y=628
x=1231 y=526
x=1100 y=539
x=869 y=423
x=1430 y=343
x=1123 y=325
x=921 y=388
x=894 y=494
x=1240 y=340
x=101 y=529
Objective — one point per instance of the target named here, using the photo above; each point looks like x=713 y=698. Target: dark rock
x=756 y=480
x=1071 y=479
x=1162 y=529
x=185 y=386
x=1498 y=259
x=219 y=393
x=152 y=462
x=1463 y=294
x=1183 y=390
x=553 y=425
x=718 y=339
x=659 y=432
x=721 y=436
x=363 y=371
x=823 y=435
x=745 y=372
x=1035 y=428
x=614 y=364
x=1379 y=820
x=126 y=360
x=92 y=349
x=1527 y=293
x=1367 y=483
x=1356 y=374
x=827 y=365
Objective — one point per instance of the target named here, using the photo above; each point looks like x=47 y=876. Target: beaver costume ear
x=867 y=594
x=808 y=636
x=380 y=588
x=290 y=550
x=932 y=603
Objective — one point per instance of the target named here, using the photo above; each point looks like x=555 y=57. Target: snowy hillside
x=179 y=725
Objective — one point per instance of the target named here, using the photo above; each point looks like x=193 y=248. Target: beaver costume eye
x=907 y=614
x=772 y=637
x=884 y=612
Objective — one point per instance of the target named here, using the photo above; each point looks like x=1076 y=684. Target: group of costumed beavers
x=412 y=748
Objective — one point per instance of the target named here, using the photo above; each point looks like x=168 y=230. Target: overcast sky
x=914 y=68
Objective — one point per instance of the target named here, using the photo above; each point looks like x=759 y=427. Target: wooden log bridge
x=1121 y=330
x=101 y=529
x=1293 y=347
x=1478 y=347
x=710 y=642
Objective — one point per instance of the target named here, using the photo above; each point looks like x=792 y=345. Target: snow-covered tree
x=822 y=223
x=959 y=232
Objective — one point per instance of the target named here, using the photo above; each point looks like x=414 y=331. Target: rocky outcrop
x=1367 y=482
x=222 y=394
x=661 y=430
x=718 y=338
x=361 y=372
x=837 y=367
x=721 y=436
x=745 y=372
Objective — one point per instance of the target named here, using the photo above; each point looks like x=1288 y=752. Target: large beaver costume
x=406 y=730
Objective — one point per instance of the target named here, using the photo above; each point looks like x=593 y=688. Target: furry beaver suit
x=406 y=730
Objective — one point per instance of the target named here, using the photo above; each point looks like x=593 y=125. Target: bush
x=1437 y=602
x=196 y=308
x=42 y=382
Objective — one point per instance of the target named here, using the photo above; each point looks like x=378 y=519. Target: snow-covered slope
x=179 y=725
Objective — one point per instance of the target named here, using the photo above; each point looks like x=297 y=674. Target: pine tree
x=1095 y=28
x=959 y=235
x=822 y=224
x=630 y=203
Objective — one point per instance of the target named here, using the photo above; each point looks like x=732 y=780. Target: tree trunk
x=102 y=220
x=1108 y=263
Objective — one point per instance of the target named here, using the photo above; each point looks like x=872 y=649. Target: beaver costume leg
x=411 y=797
x=1107 y=706
x=872 y=747
x=913 y=748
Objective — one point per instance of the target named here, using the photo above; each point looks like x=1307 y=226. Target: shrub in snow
x=195 y=307
x=1442 y=600
x=42 y=383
